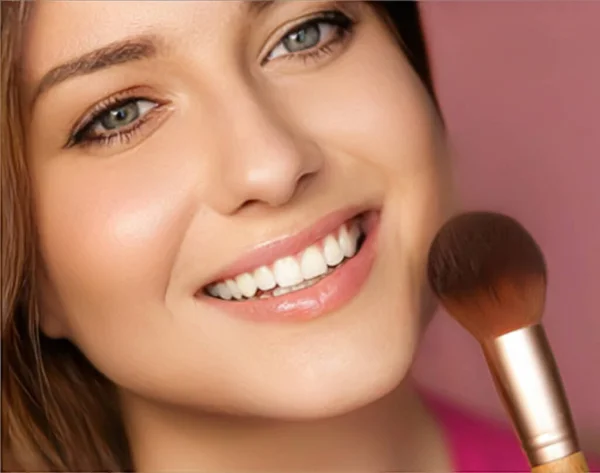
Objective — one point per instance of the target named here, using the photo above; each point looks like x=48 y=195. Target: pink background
x=519 y=83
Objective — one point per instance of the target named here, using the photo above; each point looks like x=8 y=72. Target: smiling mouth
x=294 y=272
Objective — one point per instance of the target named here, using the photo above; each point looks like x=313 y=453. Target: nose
x=264 y=158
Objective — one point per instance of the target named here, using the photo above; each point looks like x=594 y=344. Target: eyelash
x=82 y=136
x=335 y=18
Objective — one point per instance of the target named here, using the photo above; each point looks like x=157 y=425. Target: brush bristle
x=489 y=274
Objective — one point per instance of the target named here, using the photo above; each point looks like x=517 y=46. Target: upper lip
x=267 y=252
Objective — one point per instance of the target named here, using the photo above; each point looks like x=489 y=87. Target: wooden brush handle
x=572 y=464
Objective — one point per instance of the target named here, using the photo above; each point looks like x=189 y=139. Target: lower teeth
x=280 y=291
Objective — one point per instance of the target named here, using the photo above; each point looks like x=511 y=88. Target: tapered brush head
x=489 y=274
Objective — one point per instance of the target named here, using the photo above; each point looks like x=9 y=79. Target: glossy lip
x=267 y=253
x=328 y=295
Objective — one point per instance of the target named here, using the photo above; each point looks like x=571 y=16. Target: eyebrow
x=120 y=52
x=256 y=7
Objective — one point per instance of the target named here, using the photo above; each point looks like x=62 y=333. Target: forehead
x=59 y=30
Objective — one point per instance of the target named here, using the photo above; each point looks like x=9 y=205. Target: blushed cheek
x=376 y=110
x=109 y=236
x=373 y=111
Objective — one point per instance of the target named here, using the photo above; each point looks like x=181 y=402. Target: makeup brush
x=490 y=275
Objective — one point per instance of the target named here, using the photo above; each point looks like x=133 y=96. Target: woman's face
x=189 y=154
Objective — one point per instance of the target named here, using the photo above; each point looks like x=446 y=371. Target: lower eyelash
x=117 y=137
x=336 y=18
x=344 y=29
x=314 y=54
x=81 y=135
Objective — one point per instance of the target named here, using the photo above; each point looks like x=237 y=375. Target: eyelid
x=112 y=101
x=280 y=33
x=133 y=93
x=122 y=140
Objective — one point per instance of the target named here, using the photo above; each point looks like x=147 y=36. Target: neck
x=396 y=433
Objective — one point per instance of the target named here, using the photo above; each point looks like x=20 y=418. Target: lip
x=266 y=253
x=328 y=295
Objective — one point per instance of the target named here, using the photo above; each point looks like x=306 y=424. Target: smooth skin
x=235 y=141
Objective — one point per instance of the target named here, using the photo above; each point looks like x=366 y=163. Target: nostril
x=300 y=186
x=302 y=183
x=250 y=203
x=304 y=179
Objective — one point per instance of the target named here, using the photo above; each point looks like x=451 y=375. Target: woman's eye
x=313 y=34
x=115 y=120
x=121 y=116
x=305 y=38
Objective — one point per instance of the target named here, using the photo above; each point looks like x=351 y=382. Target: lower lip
x=328 y=295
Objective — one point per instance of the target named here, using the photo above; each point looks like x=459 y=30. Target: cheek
x=372 y=107
x=109 y=229
x=373 y=112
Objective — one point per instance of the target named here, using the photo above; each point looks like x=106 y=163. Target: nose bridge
x=263 y=157
x=253 y=119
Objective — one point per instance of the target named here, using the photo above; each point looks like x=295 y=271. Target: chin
x=350 y=391
x=344 y=376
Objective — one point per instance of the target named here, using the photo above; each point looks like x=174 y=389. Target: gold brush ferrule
x=528 y=381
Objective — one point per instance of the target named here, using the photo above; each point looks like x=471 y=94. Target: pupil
x=301 y=36
x=305 y=38
x=120 y=116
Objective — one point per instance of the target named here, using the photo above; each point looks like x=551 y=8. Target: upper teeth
x=292 y=271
